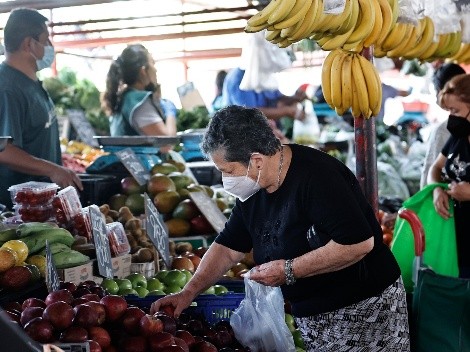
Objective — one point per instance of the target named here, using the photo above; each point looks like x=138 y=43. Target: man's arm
x=17 y=159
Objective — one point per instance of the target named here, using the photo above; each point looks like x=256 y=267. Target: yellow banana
x=347 y=23
x=355 y=47
x=287 y=32
x=386 y=11
x=335 y=22
x=284 y=43
x=326 y=75
x=395 y=36
x=261 y=17
x=378 y=106
x=346 y=73
x=270 y=35
x=250 y=29
x=444 y=40
x=373 y=87
x=281 y=11
x=454 y=44
x=355 y=109
x=359 y=80
x=366 y=24
x=336 y=86
x=378 y=25
x=304 y=29
x=425 y=40
x=335 y=41
x=429 y=52
x=407 y=42
x=379 y=52
x=296 y=14
x=395 y=8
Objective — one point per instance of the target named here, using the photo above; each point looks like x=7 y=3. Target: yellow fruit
x=19 y=247
x=39 y=261
x=8 y=259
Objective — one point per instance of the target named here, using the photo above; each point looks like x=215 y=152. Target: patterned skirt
x=374 y=324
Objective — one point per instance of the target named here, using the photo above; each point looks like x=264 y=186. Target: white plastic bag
x=259 y=321
x=306 y=131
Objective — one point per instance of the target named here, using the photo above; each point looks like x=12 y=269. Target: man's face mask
x=242 y=187
x=47 y=58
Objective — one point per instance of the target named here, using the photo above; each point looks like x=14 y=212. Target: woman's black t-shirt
x=320 y=200
x=457 y=168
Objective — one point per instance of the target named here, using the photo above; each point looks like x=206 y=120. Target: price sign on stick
x=52 y=278
x=209 y=209
x=82 y=126
x=156 y=230
x=103 y=253
x=133 y=164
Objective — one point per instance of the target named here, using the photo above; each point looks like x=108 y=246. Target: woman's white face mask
x=242 y=187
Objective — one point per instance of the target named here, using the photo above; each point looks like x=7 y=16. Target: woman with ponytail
x=129 y=97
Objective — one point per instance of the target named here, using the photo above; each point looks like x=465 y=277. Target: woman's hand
x=179 y=301
x=459 y=191
x=269 y=274
x=441 y=202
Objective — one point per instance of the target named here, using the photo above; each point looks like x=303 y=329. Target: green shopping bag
x=440 y=251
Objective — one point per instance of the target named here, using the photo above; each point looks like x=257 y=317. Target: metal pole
x=366 y=156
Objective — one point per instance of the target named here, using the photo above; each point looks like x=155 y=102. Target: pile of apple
x=84 y=313
x=164 y=282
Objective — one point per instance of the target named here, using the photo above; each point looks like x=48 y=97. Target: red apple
x=222 y=339
x=94 y=346
x=195 y=327
x=33 y=302
x=149 y=325
x=74 y=334
x=131 y=320
x=98 y=290
x=181 y=343
x=80 y=291
x=85 y=316
x=40 y=330
x=29 y=314
x=100 y=309
x=203 y=346
x=168 y=310
x=115 y=306
x=59 y=295
x=59 y=314
x=100 y=335
x=134 y=344
x=169 y=323
x=186 y=336
x=68 y=285
x=77 y=301
x=91 y=297
x=160 y=340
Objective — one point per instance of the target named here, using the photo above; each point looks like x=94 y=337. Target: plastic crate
x=210 y=307
x=233 y=285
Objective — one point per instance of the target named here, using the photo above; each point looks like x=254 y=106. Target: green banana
x=69 y=258
x=37 y=241
x=8 y=234
x=29 y=228
x=56 y=247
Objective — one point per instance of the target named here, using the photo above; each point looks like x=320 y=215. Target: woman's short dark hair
x=239 y=132
x=445 y=73
x=22 y=23
x=123 y=71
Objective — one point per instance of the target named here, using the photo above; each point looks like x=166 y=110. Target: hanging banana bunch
x=350 y=81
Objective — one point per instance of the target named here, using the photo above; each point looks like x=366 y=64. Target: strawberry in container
x=118 y=243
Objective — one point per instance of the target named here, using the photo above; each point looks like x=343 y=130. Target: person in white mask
x=312 y=233
x=26 y=111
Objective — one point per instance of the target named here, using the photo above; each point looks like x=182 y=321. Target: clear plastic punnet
x=66 y=205
x=39 y=213
x=118 y=243
x=33 y=193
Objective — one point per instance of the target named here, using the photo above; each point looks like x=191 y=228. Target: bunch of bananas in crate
x=350 y=81
x=359 y=25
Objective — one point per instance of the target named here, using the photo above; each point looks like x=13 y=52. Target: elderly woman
x=312 y=233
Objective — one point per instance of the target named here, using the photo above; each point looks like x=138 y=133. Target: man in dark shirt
x=26 y=110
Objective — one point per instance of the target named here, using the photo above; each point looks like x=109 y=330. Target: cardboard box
x=77 y=274
x=148 y=269
x=121 y=266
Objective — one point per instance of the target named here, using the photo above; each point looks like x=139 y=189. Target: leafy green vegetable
x=194 y=119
